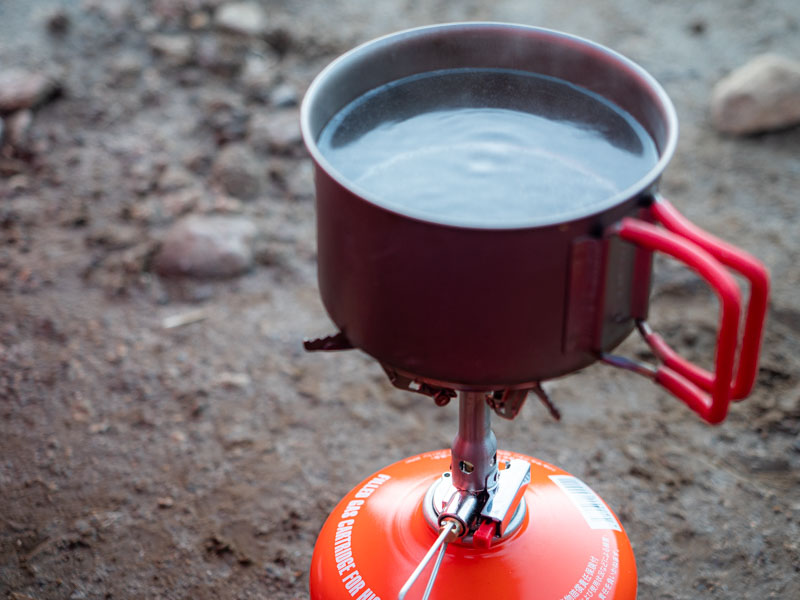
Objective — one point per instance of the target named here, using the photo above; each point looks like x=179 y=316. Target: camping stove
x=484 y=314
x=495 y=524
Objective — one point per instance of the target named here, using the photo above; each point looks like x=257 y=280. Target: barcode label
x=585 y=500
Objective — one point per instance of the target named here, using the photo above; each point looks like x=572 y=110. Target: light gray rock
x=244 y=18
x=761 y=95
x=258 y=75
x=207 y=247
x=219 y=54
x=278 y=133
x=238 y=171
x=126 y=69
x=284 y=95
x=19 y=127
x=20 y=89
x=175 y=178
x=176 y=50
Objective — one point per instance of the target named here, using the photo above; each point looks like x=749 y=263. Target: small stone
x=207 y=247
x=244 y=18
x=83 y=527
x=276 y=132
x=19 y=126
x=175 y=177
x=239 y=434
x=176 y=50
x=126 y=69
x=762 y=95
x=284 y=96
x=238 y=171
x=221 y=56
x=199 y=20
x=57 y=22
x=233 y=380
x=166 y=502
x=257 y=77
x=24 y=89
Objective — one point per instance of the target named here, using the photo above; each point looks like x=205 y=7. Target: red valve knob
x=483 y=537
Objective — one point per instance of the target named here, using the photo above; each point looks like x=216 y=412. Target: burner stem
x=474 y=450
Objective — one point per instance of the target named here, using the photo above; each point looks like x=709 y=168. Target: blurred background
x=162 y=432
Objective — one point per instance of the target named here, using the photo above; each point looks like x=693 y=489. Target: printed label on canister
x=593 y=509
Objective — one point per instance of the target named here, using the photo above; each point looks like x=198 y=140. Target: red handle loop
x=747 y=265
x=707 y=394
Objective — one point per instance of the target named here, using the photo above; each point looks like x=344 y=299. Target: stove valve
x=503 y=502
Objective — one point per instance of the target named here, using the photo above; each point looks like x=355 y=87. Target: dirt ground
x=139 y=460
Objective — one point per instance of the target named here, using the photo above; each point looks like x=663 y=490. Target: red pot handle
x=708 y=394
x=745 y=264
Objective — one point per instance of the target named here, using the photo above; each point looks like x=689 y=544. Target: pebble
x=19 y=126
x=257 y=77
x=244 y=18
x=276 y=132
x=238 y=171
x=762 y=95
x=219 y=55
x=21 y=89
x=176 y=50
x=57 y=21
x=208 y=246
x=126 y=69
x=175 y=177
x=284 y=95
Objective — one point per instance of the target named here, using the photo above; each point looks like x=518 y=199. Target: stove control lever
x=450 y=530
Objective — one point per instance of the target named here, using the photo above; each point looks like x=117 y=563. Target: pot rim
x=643 y=184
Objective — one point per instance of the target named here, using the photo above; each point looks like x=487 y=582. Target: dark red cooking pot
x=491 y=308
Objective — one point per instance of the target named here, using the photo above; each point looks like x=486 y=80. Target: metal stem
x=446 y=530
x=474 y=450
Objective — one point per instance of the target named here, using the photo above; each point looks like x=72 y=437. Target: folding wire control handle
x=449 y=530
x=708 y=394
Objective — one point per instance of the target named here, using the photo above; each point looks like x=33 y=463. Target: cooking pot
x=448 y=305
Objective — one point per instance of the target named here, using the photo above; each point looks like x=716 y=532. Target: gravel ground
x=163 y=434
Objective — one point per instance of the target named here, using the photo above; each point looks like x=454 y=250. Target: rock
x=21 y=89
x=278 y=133
x=176 y=50
x=222 y=56
x=57 y=21
x=174 y=178
x=126 y=69
x=257 y=77
x=763 y=94
x=207 y=247
x=199 y=20
x=244 y=18
x=19 y=126
x=284 y=96
x=238 y=171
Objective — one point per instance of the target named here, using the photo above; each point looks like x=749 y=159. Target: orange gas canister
x=568 y=545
